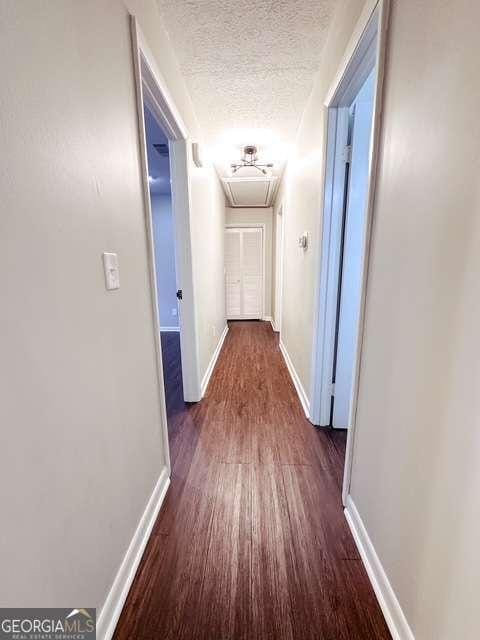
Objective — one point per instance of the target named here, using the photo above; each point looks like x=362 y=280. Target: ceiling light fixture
x=250 y=159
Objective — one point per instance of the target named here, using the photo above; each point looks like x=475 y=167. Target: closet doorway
x=244 y=272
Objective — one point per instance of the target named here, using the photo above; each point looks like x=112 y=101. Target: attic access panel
x=250 y=192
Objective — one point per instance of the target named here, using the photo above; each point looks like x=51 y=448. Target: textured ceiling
x=248 y=65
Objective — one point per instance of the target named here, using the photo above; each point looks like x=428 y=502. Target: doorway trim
x=152 y=91
x=253 y=225
x=279 y=257
x=371 y=28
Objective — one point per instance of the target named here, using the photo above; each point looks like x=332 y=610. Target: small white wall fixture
x=366 y=50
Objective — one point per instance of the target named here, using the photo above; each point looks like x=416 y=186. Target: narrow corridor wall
x=415 y=477
x=80 y=413
x=416 y=472
x=300 y=191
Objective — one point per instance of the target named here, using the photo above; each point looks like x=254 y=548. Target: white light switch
x=112 y=274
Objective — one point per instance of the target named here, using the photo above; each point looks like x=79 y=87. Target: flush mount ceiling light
x=250 y=159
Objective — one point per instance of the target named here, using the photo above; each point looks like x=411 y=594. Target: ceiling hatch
x=250 y=191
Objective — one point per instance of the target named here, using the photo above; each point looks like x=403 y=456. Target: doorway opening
x=354 y=137
x=352 y=129
x=168 y=291
x=166 y=158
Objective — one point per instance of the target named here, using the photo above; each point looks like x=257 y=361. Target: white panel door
x=353 y=255
x=252 y=273
x=233 y=273
x=244 y=272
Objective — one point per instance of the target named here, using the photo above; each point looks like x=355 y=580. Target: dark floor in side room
x=251 y=542
x=172 y=373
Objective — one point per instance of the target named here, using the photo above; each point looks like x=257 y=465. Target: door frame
x=369 y=35
x=279 y=257
x=252 y=225
x=151 y=90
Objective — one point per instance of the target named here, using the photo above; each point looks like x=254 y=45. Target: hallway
x=251 y=541
x=289 y=191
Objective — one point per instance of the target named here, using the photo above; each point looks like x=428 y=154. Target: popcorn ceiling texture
x=248 y=63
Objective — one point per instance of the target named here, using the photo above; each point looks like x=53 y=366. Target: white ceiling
x=249 y=66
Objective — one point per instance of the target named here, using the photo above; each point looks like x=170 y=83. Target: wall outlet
x=175 y=312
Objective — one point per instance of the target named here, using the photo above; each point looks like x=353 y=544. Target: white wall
x=80 y=410
x=164 y=240
x=258 y=215
x=207 y=225
x=416 y=477
x=419 y=406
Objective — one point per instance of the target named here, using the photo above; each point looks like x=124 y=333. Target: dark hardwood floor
x=172 y=373
x=251 y=542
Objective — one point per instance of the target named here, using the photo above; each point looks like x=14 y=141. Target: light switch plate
x=112 y=274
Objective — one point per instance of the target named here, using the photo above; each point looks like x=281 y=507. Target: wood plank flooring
x=251 y=542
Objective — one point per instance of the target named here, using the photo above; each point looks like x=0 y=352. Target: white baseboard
x=111 y=610
x=274 y=326
x=213 y=362
x=176 y=329
x=267 y=318
x=394 y=616
x=296 y=381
